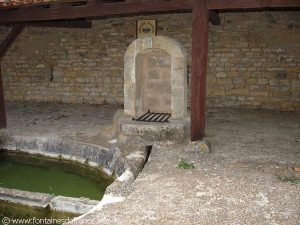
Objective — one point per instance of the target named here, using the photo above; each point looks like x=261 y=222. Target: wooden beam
x=252 y=4
x=2 y=103
x=99 y=9
x=14 y=33
x=56 y=24
x=199 y=68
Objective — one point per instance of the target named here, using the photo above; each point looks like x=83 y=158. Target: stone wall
x=254 y=60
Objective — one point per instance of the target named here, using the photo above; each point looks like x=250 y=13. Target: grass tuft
x=290 y=179
x=185 y=165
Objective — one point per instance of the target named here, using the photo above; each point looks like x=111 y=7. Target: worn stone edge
x=134 y=165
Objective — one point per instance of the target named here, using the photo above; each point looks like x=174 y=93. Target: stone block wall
x=254 y=60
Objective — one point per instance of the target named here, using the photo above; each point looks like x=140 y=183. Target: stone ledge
x=42 y=200
x=72 y=205
x=32 y=199
x=125 y=162
x=146 y=133
x=113 y=161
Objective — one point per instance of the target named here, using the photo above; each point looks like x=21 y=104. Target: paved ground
x=235 y=184
x=90 y=123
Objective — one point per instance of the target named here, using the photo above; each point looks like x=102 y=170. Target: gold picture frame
x=145 y=28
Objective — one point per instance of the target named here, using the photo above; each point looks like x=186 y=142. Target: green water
x=38 y=179
x=58 y=177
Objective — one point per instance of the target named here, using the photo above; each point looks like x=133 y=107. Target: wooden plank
x=252 y=4
x=63 y=11
x=14 y=33
x=2 y=103
x=56 y=24
x=199 y=68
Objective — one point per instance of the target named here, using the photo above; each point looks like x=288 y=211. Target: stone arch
x=178 y=73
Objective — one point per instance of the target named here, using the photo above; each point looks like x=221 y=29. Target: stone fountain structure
x=155 y=78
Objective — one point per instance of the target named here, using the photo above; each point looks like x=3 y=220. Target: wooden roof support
x=97 y=8
x=251 y=4
x=8 y=41
x=56 y=24
x=90 y=9
x=199 y=68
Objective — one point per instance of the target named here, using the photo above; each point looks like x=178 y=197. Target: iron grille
x=153 y=117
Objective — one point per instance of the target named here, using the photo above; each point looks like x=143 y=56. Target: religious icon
x=146 y=28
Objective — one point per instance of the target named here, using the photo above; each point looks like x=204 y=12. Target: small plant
x=290 y=179
x=185 y=165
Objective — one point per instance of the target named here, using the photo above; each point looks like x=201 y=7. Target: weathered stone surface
x=42 y=200
x=146 y=134
x=153 y=81
x=71 y=132
x=65 y=148
x=61 y=139
x=235 y=184
x=28 y=198
x=167 y=92
x=72 y=205
x=112 y=161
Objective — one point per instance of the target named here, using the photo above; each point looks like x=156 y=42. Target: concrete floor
x=235 y=184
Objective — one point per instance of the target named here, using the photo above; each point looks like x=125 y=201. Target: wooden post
x=2 y=103
x=4 y=46
x=199 y=68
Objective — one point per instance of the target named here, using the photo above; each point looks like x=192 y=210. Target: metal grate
x=154 y=117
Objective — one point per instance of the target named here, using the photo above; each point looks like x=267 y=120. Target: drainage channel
x=148 y=150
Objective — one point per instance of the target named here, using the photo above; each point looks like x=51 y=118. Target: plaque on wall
x=146 y=28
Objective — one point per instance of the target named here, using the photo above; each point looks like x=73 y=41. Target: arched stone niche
x=155 y=77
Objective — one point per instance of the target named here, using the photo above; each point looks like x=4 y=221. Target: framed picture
x=145 y=28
